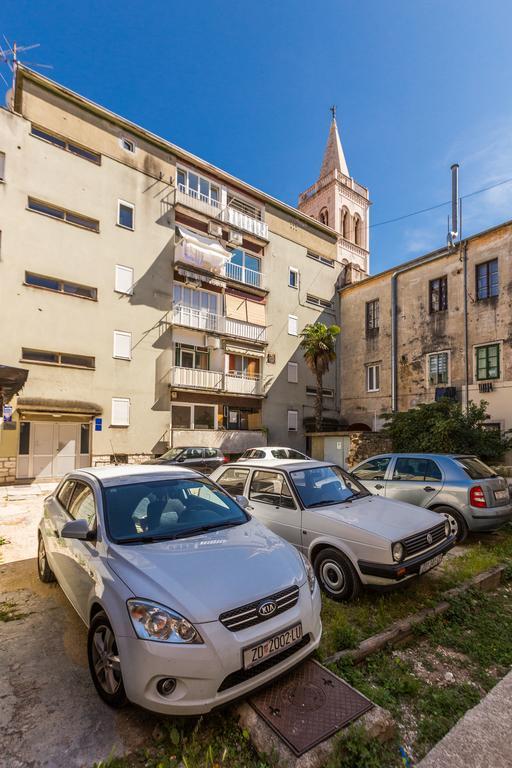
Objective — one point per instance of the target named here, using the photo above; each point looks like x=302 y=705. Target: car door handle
x=379 y=486
x=429 y=488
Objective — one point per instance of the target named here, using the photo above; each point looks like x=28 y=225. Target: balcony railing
x=211 y=323
x=243 y=221
x=243 y=275
x=196 y=200
x=197 y=378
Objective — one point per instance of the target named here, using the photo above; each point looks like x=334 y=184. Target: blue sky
x=418 y=85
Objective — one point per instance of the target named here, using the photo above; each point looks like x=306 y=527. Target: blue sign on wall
x=7 y=413
x=98 y=425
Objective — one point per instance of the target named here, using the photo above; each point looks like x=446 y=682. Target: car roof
x=124 y=472
x=290 y=464
x=421 y=455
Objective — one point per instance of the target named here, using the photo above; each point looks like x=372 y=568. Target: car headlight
x=309 y=573
x=397 y=550
x=154 y=622
x=447 y=528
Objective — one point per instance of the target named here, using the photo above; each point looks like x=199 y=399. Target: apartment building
x=148 y=299
x=404 y=339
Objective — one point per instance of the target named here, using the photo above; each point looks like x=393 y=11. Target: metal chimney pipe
x=455 y=200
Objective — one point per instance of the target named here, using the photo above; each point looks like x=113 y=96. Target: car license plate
x=272 y=645
x=499 y=495
x=429 y=564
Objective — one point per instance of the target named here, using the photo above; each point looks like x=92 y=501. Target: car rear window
x=475 y=468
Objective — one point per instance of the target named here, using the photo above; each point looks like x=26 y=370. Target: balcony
x=234 y=382
x=197 y=201
x=207 y=321
x=243 y=221
x=243 y=275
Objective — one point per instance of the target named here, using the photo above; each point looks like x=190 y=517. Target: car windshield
x=475 y=468
x=172 y=454
x=168 y=509
x=320 y=486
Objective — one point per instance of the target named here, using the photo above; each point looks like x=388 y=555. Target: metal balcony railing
x=243 y=383
x=209 y=322
x=243 y=275
x=197 y=378
x=199 y=202
x=240 y=220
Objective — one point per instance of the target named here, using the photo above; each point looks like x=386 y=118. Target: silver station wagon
x=471 y=495
x=351 y=537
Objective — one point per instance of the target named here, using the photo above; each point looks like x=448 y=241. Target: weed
x=355 y=749
x=9 y=612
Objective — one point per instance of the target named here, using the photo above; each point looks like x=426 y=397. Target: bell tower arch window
x=324 y=216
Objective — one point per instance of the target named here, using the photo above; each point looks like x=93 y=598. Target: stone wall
x=366 y=444
x=7 y=470
x=122 y=458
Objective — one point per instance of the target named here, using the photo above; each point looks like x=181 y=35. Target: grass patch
x=346 y=625
x=9 y=612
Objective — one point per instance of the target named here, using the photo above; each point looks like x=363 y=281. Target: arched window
x=345 y=224
x=357 y=229
x=324 y=216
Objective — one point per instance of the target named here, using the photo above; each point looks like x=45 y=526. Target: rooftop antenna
x=9 y=55
x=453 y=230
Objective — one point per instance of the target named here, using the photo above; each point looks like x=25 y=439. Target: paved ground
x=482 y=738
x=50 y=714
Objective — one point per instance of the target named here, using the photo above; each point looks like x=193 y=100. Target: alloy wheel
x=105 y=657
x=454 y=525
x=41 y=556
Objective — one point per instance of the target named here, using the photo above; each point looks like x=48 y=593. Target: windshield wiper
x=205 y=528
x=327 y=503
x=359 y=494
x=143 y=539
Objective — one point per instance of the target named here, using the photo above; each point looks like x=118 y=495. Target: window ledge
x=122 y=226
x=59 y=293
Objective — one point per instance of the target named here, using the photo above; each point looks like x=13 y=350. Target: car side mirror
x=77 y=529
x=180 y=459
x=242 y=501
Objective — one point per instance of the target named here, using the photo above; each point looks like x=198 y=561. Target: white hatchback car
x=273 y=452
x=189 y=602
x=350 y=537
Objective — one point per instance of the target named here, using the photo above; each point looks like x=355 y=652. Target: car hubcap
x=332 y=576
x=106 y=659
x=454 y=526
x=41 y=555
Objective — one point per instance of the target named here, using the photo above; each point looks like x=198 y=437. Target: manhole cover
x=308 y=705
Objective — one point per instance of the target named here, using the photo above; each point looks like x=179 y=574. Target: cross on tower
x=333 y=110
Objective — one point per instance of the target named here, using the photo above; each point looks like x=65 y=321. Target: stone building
x=404 y=339
x=154 y=299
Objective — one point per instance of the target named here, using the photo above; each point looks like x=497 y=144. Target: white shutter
x=120 y=412
x=123 y=279
x=293 y=373
x=293 y=325
x=2 y=166
x=122 y=345
x=293 y=421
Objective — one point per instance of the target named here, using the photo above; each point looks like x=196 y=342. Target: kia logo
x=268 y=608
x=429 y=538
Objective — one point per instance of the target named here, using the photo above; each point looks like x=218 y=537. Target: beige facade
x=430 y=332
x=148 y=294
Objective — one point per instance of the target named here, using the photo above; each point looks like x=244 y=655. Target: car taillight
x=225 y=460
x=477 y=496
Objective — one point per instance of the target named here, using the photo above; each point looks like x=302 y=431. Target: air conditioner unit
x=234 y=237
x=214 y=229
x=212 y=342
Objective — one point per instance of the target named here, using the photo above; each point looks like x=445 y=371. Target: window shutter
x=293 y=325
x=293 y=420
x=120 y=412
x=2 y=166
x=122 y=345
x=123 y=279
x=293 y=373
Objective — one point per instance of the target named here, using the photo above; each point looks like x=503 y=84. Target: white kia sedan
x=351 y=537
x=189 y=602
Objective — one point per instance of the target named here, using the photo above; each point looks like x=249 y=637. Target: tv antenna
x=10 y=55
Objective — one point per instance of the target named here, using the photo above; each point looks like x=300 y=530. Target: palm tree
x=319 y=347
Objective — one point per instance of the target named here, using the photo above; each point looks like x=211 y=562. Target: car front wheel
x=458 y=526
x=336 y=575
x=45 y=572
x=104 y=663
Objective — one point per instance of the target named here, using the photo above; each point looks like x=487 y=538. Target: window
x=67 y=144
x=125 y=214
x=48 y=209
x=317 y=302
x=82 y=506
x=65 y=493
x=357 y=230
x=234 y=417
x=293 y=327
x=322 y=259
x=120 y=412
x=293 y=277
x=373 y=378
x=63 y=359
x=127 y=144
x=438 y=294
x=345 y=224
x=123 y=280
x=85 y=438
x=196 y=186
x=193 y=416
x=61 y=286
x=188 y=356
x=24 y=438
x=271 y=488
x=233 y=481
x=438 y=369
x=417 y=470
x=372 y=317
x=244 y=267
x=324 y=216
x=475 y=468
x=293 y=421
x=2 y=166
x=375 y=469
x=122 y=345
x=293 y=373
x=487 y=280
x=488 y=362
x=202 y=301
x=311 y=391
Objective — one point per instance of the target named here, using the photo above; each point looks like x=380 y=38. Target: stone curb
x=403 y=628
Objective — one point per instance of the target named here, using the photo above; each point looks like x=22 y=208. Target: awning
x=11 y=381
x=51 y=406
x=201 y=251
x=233 y=350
